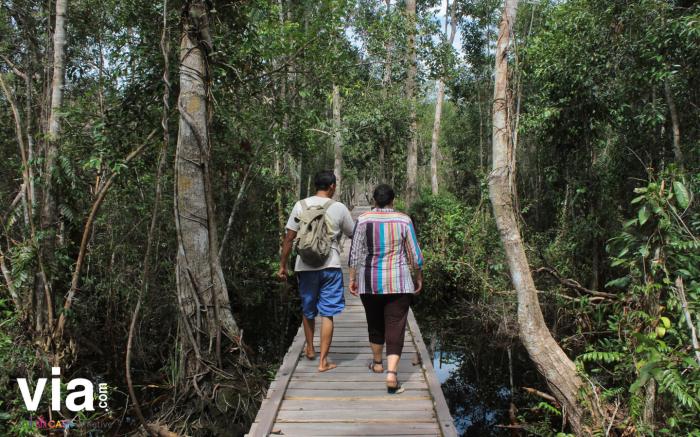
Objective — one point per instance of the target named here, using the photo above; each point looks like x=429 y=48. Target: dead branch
x=547 y=397
x=101 y=193
x=575 y=285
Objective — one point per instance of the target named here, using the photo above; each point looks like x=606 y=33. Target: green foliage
x=655 y=250
x=460 y=247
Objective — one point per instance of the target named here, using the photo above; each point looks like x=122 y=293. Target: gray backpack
x=315 y=237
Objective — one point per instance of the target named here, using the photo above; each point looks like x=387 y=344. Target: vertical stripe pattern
x=383 y=251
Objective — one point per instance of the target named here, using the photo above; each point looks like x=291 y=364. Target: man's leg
x=309 y=283
x=331 y=302
x=309 y=326
x=326 y=339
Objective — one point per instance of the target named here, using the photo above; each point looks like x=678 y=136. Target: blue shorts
x=321 y=292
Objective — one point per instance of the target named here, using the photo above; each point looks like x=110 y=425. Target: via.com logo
x=81 y=394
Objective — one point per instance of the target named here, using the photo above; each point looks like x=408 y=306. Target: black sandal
x=394 y=389
x=374 y=363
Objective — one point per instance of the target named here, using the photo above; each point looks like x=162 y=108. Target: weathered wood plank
x=266 y=416
x=354 y=429
x=398 y=403
x=356 y=416
x=367 y=393
x=354 y=362
x=349 y=386
x=441 y=409
x=358 y=377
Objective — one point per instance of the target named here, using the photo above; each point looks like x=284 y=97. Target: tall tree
x=386 y=83
x=545 y=352
x=412 y=152
x=434 y=150
x=337 y=141
x=201 y=290
x=43 y=294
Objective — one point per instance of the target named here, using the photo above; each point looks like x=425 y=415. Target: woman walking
x=384 y=248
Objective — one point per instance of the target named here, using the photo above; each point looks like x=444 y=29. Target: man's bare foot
x=310 y=353
x=327 y=367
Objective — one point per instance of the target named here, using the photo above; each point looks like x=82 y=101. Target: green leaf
x=643 y=215
x=681 y=193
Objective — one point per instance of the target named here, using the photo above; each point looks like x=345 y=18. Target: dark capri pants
x=386 y=319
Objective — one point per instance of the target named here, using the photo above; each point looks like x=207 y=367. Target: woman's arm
x=415 y=255
x=358 y=251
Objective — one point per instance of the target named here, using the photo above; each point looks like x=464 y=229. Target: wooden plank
x=395 y=404
x=348 y=377
x=354 y=429
x=441 y=409
x=366 y=435
x=350 y=361
x=266 y=416
x=356 y=416
x=369 y=399
x=351 y=394
x=350 y=386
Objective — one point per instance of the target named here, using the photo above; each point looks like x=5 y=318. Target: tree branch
x=575 y=285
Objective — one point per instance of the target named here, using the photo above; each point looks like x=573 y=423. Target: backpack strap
x=303 y=204
x=328 y=204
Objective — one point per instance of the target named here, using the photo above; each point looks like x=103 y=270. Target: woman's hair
x=383 y=195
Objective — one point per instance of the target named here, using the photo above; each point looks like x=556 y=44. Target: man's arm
x=348 y=224
x=286 y=250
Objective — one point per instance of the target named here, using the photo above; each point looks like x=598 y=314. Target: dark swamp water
x=475 y=369
x=472 y=364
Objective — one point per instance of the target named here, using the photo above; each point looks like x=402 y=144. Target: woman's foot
x=376 y=366
x=392 y=383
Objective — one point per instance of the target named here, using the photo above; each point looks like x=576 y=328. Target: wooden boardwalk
x=350 y=399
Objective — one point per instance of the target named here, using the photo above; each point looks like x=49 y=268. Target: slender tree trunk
x=677 y=152
x=201 y=290
x=434 y=149
x=43 y=289
x=337 y=141
x=386 y=83
x=551 y=361
x=27 y=200
x=412 y=153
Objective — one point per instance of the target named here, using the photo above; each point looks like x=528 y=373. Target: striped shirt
x=384 y=247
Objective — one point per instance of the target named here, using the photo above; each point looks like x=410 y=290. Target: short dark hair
x=323 y=180
x=383 y=195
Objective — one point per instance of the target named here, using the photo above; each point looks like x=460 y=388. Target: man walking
x=315 y=226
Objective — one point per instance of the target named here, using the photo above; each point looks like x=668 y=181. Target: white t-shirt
x=341 y=221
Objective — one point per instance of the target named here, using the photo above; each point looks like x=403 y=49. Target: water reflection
x=475 y=372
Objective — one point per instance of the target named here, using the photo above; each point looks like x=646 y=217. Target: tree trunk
x=386 y=83
x=43 y=293
x=434 y=150
x=412 y=153
x=201 y=290
x=675 y=124
x=436 y=138
x=549 y=358
x=337 y=142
